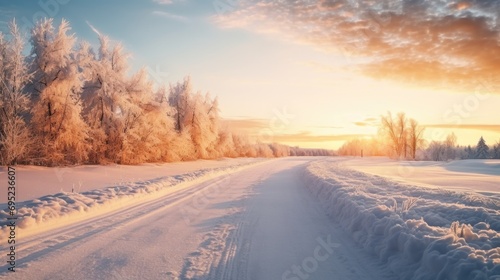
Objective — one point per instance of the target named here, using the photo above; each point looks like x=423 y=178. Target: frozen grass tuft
x=406 y=205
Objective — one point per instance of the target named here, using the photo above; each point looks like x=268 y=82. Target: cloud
x=163 y=2
x=99 y=34
x=429 y=43
x=327 y=127
x=247 y=124
x=170 y=16
x=368 y=122
x=482 y=127
x=253 y=127
x=361 y=124
x=308 y=137
x=93 y=28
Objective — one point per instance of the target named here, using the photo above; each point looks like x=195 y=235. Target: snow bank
x=51 y=211
x=421 y=233
x=38 y=181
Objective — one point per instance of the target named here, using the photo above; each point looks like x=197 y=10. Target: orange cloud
x=462 y=6
x=483 y=127
x=307 y=137
x=368 y=122
x=253 y=128
x=246 y=124
x=430 y=43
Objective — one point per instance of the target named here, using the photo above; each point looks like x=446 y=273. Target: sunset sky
x=310 y=73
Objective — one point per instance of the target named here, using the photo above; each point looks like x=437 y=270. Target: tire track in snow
x=209 y=255
x=224 y=252
x=276 y=227
x=234 y=263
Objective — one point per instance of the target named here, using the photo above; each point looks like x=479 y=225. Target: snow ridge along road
x=420 y=232
x=53 y=211
x=257 y=223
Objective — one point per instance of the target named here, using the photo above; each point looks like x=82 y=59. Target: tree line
x=449 y=150
x=401 y=137
x=68 y=103
x=398 y=137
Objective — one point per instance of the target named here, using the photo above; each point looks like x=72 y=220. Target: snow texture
x=421 y=233
x=67 y=207
x=471 y=175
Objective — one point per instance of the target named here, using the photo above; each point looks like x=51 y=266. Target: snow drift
x=421 y=233
x=52 y=211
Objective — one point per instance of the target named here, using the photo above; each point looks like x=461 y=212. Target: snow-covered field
x=287 y=218
x=462 y=175
x=34 y=181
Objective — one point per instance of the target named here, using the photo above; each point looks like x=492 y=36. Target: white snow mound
x=421 y=233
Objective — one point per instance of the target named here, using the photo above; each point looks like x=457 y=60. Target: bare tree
x=415 y=137
x=401 y=126
x=395 y=131
x=405 y=136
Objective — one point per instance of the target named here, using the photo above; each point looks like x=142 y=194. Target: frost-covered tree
x=105 y=96
x=80 y=105
x=264 y=150
x=482 y=149
x=14 y=76
x=225 y=144
x=445 y=150
x=468 y=153
x=146 y=124
x=198 y=115
x=135 y=128
x=436 y=151
x=280 y=150
x=244 y=146
x=450 y=143
x=130 y=122
x=495 y=151
x=167 y=143
x=57 y=122
x=204 y=125
x=180 y=99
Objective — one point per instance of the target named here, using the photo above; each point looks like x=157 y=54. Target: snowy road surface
x=258 y=223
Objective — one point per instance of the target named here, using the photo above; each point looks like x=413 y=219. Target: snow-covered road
x=258 y=223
